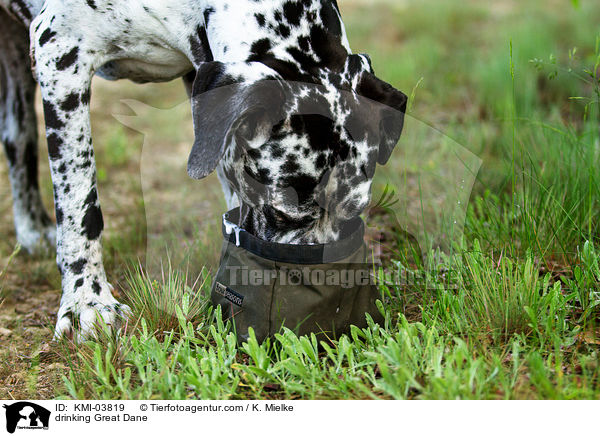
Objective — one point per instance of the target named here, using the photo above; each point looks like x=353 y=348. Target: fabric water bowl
x=320 y=289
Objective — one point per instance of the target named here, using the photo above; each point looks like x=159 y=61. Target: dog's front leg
x=65 y=66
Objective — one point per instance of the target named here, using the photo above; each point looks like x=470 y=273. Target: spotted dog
x=298 y=176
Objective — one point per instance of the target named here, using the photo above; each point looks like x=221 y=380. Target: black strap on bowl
x=313 y=254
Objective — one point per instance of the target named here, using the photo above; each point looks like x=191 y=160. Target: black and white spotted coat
x=298 y=178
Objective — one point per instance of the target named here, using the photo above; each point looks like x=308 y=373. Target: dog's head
x=300 y=155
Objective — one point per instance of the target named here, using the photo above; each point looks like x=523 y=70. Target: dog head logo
x=25 y=415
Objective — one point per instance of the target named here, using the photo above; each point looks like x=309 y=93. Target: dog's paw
x=81 y=319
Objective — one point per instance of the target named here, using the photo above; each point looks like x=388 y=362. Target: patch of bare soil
x=29 y=368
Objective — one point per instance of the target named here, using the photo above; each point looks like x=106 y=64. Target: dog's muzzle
x=322 y=288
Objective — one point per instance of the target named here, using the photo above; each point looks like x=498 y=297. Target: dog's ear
x=226 y=107
x=389 y=113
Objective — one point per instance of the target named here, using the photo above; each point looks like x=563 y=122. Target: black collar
x=352 y=239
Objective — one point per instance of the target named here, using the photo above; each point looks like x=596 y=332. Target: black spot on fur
x=91 y=4
x=54 y=146
x=92 y=197
x=260 y=19
x=77 y=267
x=343 y=151
x=321 y=135
x=46 y=36
x=382 y=92
x=287 y=70
x=52 y=119
x=283 y=30
x=304 y=43
x=92 y=222
x=277 y=150
x=68 y=59
x=200 y=46
x=205 y=44
x=293 y=12
x=96 y=287
x=304 y=59
x=330 y=18
x=260 y=49
x=70 y=103
x=329 y=48
x=78 y=283
x=297 y=125
x=303 y=184
x=85 y=96
x=264 y=176
x=290 y=166
x=321 y=161
x=354 y=65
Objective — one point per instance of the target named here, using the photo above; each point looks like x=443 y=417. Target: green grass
x=512 y=313
x=517 y=337
x=157 y=302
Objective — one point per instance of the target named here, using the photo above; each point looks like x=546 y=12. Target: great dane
x=281 y=172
